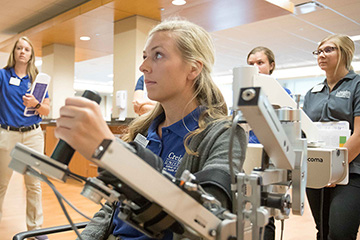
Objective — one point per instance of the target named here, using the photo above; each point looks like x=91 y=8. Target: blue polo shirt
x=140 y=83
x=171 y=146
x=171 y=149
x=11 y=103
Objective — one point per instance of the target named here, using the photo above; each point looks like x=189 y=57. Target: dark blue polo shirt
x=341 y=104
x=171 y=149
x=140 y=83
x=11 y=103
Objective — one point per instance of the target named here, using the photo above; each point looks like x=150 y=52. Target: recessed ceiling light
x=85 y=38
x=178 y=2
x=307 y=7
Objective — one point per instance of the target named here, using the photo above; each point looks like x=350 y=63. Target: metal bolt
x=248 y=94
x=212 y=232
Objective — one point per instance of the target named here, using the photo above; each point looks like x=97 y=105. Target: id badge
x=14 y=81
x=318 y=88
x=141 y=139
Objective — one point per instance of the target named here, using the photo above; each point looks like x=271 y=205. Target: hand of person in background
x=142 y=106
x=81 y=125
x=331 y=185
x=29 y=100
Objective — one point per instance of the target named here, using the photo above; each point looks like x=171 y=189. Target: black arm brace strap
x=216 y=179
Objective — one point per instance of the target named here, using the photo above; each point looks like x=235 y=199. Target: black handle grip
x=63 y=152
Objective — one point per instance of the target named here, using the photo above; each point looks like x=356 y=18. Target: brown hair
x=269 y=54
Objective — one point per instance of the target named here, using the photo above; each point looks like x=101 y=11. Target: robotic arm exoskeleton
x=154 y=202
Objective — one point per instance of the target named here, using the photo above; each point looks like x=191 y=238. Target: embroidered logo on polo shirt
x=343 y=94
x=172 y=163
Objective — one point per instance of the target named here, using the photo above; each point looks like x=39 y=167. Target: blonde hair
x=196 y=45
x=345 y=46
x=31 y=69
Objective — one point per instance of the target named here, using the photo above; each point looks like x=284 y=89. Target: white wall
x=3 y=59
x=296 y=86
x=105 y=104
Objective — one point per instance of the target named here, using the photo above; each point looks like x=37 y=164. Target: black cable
x=42 y=177
x=282 y=229
x=60 y=197
x=77 y=177
x=321 y=214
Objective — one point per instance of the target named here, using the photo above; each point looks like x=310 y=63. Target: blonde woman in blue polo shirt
x=15 y=81
x=188 y=128
x=336 y=208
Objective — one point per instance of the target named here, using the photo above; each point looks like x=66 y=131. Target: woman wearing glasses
x=336 y=208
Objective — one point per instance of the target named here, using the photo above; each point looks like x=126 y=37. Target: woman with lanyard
x=188 y=128
x=15 y=83
x=336 y=208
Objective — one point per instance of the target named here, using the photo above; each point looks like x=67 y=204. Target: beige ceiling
x=292 y=37
x=64 y=21
x=93 y=18
x=236 y=26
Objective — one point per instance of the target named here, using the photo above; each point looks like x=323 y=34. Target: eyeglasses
x=326 y=50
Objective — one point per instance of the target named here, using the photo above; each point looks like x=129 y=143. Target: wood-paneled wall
x=78 y=164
